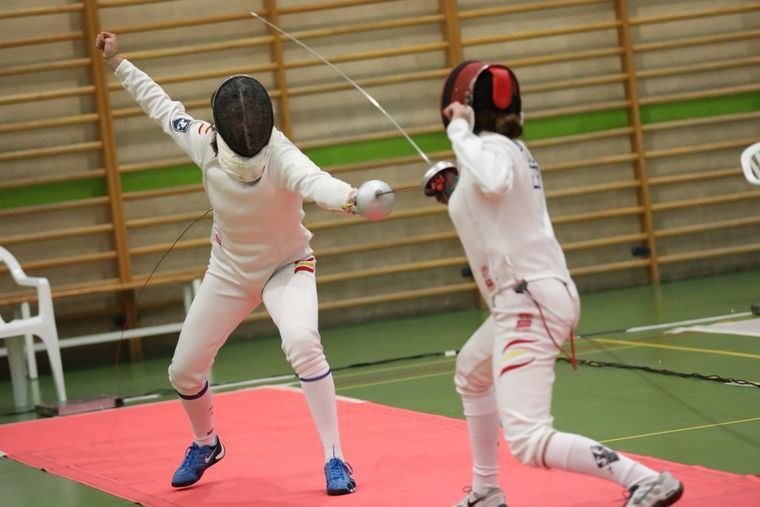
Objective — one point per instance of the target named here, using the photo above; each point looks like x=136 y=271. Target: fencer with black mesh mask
x=256 y=180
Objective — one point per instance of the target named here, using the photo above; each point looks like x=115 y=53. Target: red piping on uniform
x=516 y=342
x=515 y=366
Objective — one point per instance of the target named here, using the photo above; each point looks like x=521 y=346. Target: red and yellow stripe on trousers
x=308 y=264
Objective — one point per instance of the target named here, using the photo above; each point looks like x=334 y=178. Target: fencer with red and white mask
x=256 y=180
x=505 y=371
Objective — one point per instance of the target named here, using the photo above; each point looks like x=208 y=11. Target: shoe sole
x=216 y=460
x=673 y=498
x=338 y=492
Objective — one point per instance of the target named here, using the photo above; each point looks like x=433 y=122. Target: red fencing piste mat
x=401 y=458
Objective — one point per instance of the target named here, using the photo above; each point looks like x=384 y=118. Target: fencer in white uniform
x=505 y=371
x=260 y=252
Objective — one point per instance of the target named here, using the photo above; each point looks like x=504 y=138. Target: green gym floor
x=716 y=425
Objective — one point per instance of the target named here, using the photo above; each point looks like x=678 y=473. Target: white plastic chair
x=42 y=325
x=751 y=163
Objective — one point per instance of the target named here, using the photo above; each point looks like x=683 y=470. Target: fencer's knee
x=469 y=379
x=304 y=351
x=186 y=381
x=528 y=446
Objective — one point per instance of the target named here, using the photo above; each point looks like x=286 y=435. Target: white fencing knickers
x=512 y=352
x=290 y=297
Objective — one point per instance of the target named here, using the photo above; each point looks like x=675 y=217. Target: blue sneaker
x=197 y=459
x=338 y=476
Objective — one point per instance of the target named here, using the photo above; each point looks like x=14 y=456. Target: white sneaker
x=494 y=498
x=659 y=491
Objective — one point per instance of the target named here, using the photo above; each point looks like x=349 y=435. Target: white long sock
x=483 y=427
x=200 y=411
x=583 y=455
x=320 y=396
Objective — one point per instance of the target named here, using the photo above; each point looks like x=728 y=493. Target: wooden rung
x=61 y=121
x=58 y=206
x=46 y=95
x=137 y=223
x=706 y=201
x=392 y=270
x=44 y=39
x=581 y=138
x=375 y=136
x=354 y=248
x=610 y=267
x=131 y=112
x=534 y=34
x=702 y=94
x=712 y=226
x=199 y=48
x=598 y=215
x=592 y=189
x=335 y=4
x=696 y=41
x=565 y=57
x=209 y=74
x=695 y=176
x=368 y=55
x=575 y=83
x=701 y=148
x=667 y=18
x=525 y=7
x=181 y=23
x=163 y=247
x=387 y=24
x=591 y=244
x=105 y=4
x=586 y=108
x=399 y=296
x=162 y=192
x=586 y=163
x=42 y=11
x=366 y=83
x=64 y=261
x=44 y=67
x=59 y=234
x=154 y=164
x=678 y=70
x=57 y=178
x=51 y=151
x=709 y=254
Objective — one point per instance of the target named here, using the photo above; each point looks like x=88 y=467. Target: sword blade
x=353 y=83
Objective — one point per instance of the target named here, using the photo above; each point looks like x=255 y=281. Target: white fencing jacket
x=257 y=226
x=499 y=211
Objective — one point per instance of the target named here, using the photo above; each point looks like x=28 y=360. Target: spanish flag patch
x=309 y=264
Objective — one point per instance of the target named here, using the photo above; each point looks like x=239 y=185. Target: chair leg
x=16 y=364
x=54 y=354
x=31 y=358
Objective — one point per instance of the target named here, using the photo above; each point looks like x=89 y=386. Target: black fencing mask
x=243 y=115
